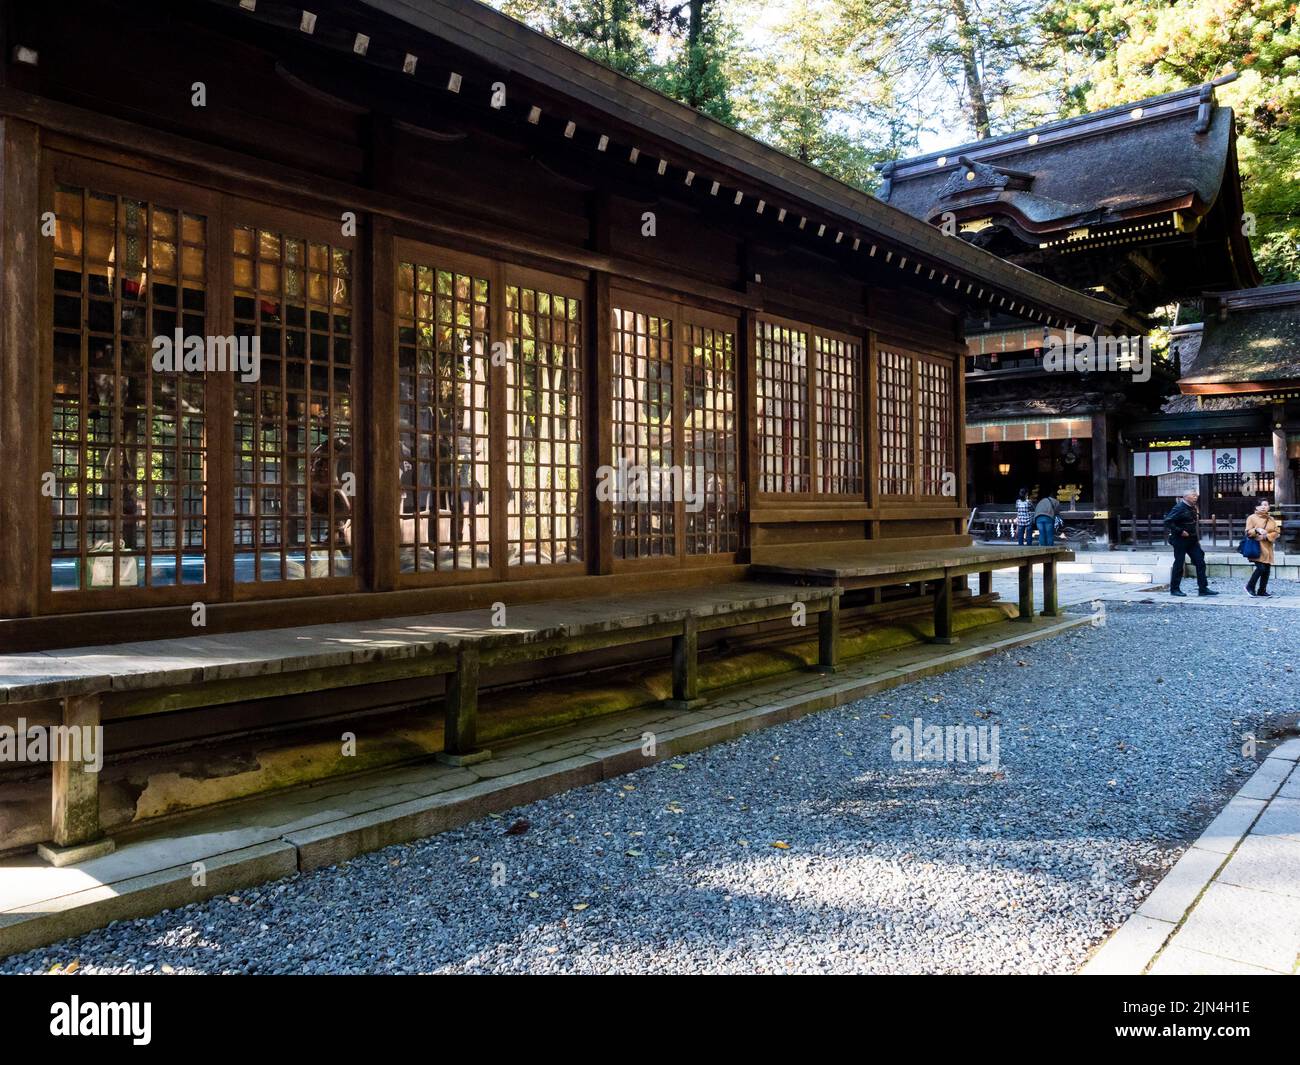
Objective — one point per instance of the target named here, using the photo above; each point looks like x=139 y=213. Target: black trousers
x=1183 y=550
x=1258 y=582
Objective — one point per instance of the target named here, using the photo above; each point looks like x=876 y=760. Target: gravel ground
x=806 y=847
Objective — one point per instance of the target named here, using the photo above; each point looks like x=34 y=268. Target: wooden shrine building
x=1140 y=205
x=392 y=309
x=1232 y=432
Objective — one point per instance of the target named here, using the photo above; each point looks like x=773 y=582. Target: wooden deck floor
x=860 y=559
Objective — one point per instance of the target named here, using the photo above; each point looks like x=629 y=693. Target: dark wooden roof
x=628 y=111
x=1104 y=165
x=1069 y=198
x=1250 y=342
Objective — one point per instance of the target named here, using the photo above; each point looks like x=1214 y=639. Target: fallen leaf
x=781 y=845
x=534 y=895
x=580 y=906
x=73 y=966
x=679 y=765
x=167 y=968
x=632 y=853
x=519 y=827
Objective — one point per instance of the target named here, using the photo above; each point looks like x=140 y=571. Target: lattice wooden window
x=293 y=426
x=129 y=441
x=938 y=472
x=839 y=417
x=782 y=408
x=712 y=476
x=443 y=358
x=544 y=381
x=895 y=409
x=642 y=385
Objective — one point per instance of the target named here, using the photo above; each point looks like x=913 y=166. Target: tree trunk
x=967 y=43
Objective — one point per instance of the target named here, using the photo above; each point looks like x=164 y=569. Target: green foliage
x=810 y=95
x=1133 y=49
x=843 y=84
x=615 y=32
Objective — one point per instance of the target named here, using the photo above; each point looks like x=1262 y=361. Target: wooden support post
x=1026 y=593
x=460 y=733
x=1283 y=481
x=1051 y=608
x=686 y=667
x=828 y=637
x=24 y=397
x=943 y=612
x=75 y=793
x=986 y=582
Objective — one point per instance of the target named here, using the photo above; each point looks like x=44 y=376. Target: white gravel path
x=1117 y=745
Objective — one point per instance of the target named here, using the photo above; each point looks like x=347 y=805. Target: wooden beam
x=986 y=582
x=380 y=477
x=828 y=637
x=943 y=612
x=1026 y=593
x=1051 y=608
x=600 y=430
x=23 y=329
x=460 y=732
x=75 y=807
x=686 y=667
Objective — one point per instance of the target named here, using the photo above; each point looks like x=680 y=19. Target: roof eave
x=502 y=42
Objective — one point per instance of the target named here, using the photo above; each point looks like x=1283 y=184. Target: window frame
x=951 y=364
x=812 y=416
x=314 y=228
x=61 y=168
x=223 y=211
x=681 y=314
x=499 y=275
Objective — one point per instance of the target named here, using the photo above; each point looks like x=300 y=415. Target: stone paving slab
x=1243 y=924
x=1265 y=863
x=1231 y=904
x=1179 y=961
x=269 y=837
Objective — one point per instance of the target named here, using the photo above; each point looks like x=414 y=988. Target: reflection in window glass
x=293 y=425
x=937 y=470
x=782 y=408
x=642 y=382
x=442 y=380
x=544 y=427
x=709 y=421
x=895 y=400
x=839 y=422
x=129 y=441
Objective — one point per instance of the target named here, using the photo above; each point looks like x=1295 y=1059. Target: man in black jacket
x=1183 y=525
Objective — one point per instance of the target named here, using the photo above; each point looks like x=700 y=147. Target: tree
x=700 y=75
x=615 y=32
x=981 y=52
x=1133 y=49
x=808 y=94
x=682 y=49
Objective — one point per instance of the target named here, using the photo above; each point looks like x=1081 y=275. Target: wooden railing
x=1220 y=531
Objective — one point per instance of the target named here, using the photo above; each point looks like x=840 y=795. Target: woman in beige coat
x=1262 y=526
